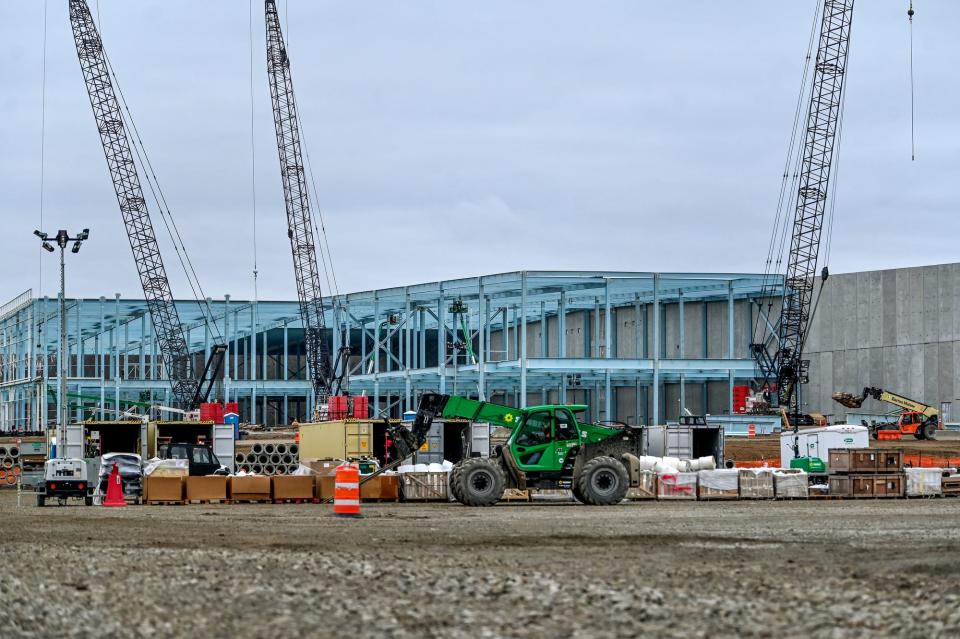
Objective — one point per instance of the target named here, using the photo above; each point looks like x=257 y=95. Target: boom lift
x=189 y=389
x=780 y=360
x=547 y=448
x=325 y=378
x=917 y=419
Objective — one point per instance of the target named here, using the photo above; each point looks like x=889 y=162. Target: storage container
x=756 y=483
x=157 y=488
x=718 y=484
x=296 y=487
x=890 y=461
x=249 y=488
x=854 y=460
x=677 y=485
x=209 y=488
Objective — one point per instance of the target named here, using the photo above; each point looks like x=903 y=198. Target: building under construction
x=636 y=347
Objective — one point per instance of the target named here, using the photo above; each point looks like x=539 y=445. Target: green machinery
x=547 y=448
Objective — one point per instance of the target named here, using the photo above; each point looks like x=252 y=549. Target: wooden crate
x=756 y=483
x=890 y=461
x=423 y=486
x=206 y=489
x=854 y=460
x=677 y=486
x=877 y=485
x=162 y=490
x=840 y=485
x=951 y=485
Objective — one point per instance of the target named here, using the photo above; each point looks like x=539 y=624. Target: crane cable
x=913 y=148
x=43 y=137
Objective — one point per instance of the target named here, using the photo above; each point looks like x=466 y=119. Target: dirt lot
x=830 y=569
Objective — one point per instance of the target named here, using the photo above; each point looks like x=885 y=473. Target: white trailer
x=817 y=442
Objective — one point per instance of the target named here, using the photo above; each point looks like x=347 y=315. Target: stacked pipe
x=269 y=459
x=9 y=465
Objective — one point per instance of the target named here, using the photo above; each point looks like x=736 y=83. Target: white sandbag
x=672 y=462
x=684 y=466
x=421 y=468
x=648 y=462
x=406 y=468
x=703 y=463
x=924 y=481
x=447 y=465
x=662 y=467
x=435 y=468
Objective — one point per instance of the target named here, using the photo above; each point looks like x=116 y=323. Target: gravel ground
x=695 y=569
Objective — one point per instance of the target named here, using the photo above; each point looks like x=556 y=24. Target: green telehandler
x=547 y=448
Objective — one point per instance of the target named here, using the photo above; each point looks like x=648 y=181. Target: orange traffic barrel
x=752 y=430
x=346 y=492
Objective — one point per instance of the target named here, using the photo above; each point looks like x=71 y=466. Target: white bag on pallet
x=791 y=483
x=924 y=481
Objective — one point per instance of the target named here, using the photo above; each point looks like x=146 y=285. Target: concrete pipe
x=256 y=468
x=292 y=468
x=7 y=463
x=275 y=459
x=294 y=449
x=251 y=458
x=240 y=458
x=269 y=449
x=257 y=448
x=263 y=458
x=287 y=459
x=282 y=470
x=269 y=469
x=282 y=448
x=3 y=451
x=14 y=452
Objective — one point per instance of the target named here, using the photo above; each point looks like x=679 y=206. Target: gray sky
x=453 y=139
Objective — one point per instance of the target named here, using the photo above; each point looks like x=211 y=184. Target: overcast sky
x=453 y=139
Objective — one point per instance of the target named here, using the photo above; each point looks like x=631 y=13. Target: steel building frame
x=611 y=339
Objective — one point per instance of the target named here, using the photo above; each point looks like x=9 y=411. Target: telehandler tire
x=455 y=480
x=576 y=493
x=603 y=481
x=929 y=431
x=481 y=482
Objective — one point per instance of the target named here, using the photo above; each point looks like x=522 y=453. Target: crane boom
x=133 y=204
x=786 y=365
x=297 y=203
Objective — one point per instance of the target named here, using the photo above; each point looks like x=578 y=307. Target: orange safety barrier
x=889 y=435
x=346 y=492
x=752 y=431
x=3 y=474
x=917 y=460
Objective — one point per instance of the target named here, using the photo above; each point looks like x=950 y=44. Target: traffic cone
x=114 y=489
x=346 y=493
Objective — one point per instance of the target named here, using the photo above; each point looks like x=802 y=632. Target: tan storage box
x=325 y=485
x=250 y=488
x=756 y=483
x=209 y=488
x=158 y=489
x=293 y=487
x=380 y=488
x=721 y=483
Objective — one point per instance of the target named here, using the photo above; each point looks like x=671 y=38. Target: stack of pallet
x=866 y=473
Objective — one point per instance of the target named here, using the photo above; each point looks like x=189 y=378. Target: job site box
x=890 y=461
x=756 y=483
x=209 y=488
x=158 y=488
x=250 y=488
x=887 y=485
x=380 y=488
x=293 y=487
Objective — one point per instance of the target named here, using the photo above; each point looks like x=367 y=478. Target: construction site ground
x=680 y=569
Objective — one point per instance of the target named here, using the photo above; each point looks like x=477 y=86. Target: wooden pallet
x=300 y=500
x=515 y=494
x=164 y=502
x=207 y=501
x=252 y=501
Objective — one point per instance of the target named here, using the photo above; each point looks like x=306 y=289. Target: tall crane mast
x=187 y=389
x=297 y=202
x=786 y=364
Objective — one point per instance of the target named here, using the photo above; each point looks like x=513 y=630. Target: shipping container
x=694 y=437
